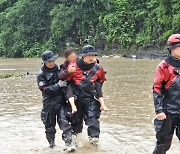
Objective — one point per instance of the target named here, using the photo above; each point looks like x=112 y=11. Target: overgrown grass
x=4 y=76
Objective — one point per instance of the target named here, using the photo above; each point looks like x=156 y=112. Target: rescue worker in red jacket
x=65 y=70
x=87 y=73
x=166 y=93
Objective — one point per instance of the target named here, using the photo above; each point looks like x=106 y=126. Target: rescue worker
x=53 y=101
x=166 y=93
x=87 y=73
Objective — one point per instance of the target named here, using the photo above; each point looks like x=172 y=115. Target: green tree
x=24 y=25
x=28 y=27
x=78 y=19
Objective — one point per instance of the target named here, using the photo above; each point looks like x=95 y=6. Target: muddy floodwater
x=126 y=129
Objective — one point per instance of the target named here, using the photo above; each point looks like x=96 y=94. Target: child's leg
x=70 y=96
x=73 y=106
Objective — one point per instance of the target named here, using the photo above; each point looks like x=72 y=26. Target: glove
x=62 y=83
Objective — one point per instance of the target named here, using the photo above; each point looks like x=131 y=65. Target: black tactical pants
x=77 y=119
x=164 y=132
x=91 y=113
x=52 y=114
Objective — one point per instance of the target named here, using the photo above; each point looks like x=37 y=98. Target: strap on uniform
x=93 y=71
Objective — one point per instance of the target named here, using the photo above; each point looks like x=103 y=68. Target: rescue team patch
x=41 y=83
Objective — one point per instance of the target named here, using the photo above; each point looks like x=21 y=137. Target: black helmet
x=48 y=56
x=88 y=50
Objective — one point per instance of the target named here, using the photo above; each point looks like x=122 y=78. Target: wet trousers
x=164 y=132
x=90 y=111
x=52 y=114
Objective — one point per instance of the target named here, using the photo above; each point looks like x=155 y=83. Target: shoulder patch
x=41 y=83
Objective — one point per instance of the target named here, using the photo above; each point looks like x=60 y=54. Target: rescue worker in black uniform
x=53 y=101
x=87 y=73
x=166 y=93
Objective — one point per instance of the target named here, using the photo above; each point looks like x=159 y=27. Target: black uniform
x=54 y=106
x=76 y=119
x=88 y=107
x=166 y=92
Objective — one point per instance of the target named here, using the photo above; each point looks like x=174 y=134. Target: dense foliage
x=28 y=27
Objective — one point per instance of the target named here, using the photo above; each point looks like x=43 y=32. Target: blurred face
x=50 y=64
x=72 y=57
x=89 y=59
x=176 y=52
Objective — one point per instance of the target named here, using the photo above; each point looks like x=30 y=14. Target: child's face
x=72 y=57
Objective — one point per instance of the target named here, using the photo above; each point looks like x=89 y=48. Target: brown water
x=126 y=129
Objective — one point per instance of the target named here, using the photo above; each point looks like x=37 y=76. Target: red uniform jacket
x=78 y=75
x=166 y=89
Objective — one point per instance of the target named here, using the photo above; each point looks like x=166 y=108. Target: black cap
x=88 y=50
x=48 y=56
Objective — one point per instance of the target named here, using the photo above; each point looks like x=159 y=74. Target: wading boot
x=70 y=147
x=52 y=143
x=94 y=141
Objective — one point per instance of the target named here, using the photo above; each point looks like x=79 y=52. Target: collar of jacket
x=49 y=72
x=173 y=61
x=83 y=66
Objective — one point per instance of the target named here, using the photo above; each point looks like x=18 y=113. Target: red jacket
x=164 y=74
x=166 y=89
x=78 y=75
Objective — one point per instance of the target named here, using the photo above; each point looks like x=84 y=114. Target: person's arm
x=101 y=75
x=98 y=88
x=63 y=74
x=157 y=94
x=49 y=89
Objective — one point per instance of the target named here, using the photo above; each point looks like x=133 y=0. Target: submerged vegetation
x=4 y=76
x=28 y=27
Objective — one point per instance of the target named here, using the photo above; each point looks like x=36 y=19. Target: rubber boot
x=51 y=143
x=94 y=141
